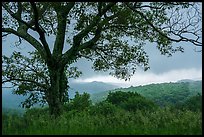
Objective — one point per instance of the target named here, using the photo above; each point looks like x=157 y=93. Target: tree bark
x=56 y=93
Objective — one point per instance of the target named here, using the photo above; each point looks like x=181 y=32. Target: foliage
x=105 y=118
x=131 y=101
x=159 y=122
x=119 y=97
x=162 y=94
x=169 y=93
x=30 y=77
x=138 y=103
x=103 y=108
x=80 y=102
x=194 y=103
x=98 y=31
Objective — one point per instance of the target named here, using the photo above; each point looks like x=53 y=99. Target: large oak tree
x=98 y=31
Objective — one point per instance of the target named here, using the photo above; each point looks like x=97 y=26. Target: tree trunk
x=57 y=91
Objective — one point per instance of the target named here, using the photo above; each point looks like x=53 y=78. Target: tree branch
x=78 y=38
x=17 y=16
x=74 y=51
x=27 y=37
x=41 y=12
x=40 y=30
x=62 y=13
x=195 y=42
x=25 y=80
x=104 y=59
x=36 y=70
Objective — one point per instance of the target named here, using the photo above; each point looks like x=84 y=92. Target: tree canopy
x=98 y=31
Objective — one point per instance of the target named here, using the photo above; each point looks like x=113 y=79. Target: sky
x=186 y=65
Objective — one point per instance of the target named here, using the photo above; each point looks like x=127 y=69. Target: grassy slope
x=162 y=94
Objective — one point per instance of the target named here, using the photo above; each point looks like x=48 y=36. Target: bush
x=138 y=103
x=104 y=108
x=118 y=97
x=130 y=101
x=80 y=102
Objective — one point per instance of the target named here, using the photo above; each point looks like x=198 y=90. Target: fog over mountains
x=13 y=101
x=90 y=87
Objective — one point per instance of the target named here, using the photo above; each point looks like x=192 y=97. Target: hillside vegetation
x=162 y=94
x=120 y=113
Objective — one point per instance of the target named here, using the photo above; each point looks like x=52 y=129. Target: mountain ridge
x=95 y=89
x=159 y=92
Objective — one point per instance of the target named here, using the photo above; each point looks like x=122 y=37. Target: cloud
x=143 y=78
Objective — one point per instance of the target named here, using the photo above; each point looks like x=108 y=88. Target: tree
x=80 y=102
x=97 y=31
x=130 y=101
x=193 y=103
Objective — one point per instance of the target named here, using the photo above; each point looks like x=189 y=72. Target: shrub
x=80 y=102
x=118 y=97
x=138 y=103
x=103 y=108
x=130 y=101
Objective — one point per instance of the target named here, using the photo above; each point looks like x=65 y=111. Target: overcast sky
x=187 y=65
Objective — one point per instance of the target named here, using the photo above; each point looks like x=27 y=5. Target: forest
x=163 y=94
x=122 y=112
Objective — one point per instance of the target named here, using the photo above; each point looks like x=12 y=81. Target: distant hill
x=90 y=87
x=12 y=101
x=162 y=94
x=185 y=80
x=194 y=103
x=159 y=93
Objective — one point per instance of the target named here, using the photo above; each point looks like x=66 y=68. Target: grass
x=159 y=122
